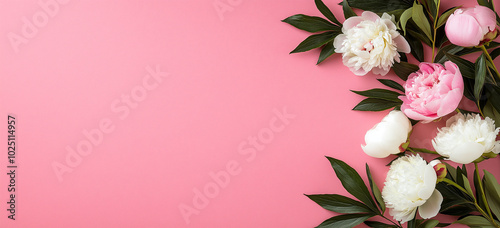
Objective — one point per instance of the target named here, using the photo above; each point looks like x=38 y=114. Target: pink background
x=228 y=73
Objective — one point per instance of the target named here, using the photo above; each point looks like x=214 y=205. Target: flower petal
x=467 y=152
x=402 y=44
x=432 y=206
x=457 y=23
x=430 y=179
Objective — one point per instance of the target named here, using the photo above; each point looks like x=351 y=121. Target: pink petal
x=486 y=18
x=457 y=24
x=367 y=15
x=450 y=102
x=351 y=22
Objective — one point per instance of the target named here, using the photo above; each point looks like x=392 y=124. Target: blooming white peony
x=411 y=184
x=466 y=137
x=386 y=137
x=370 y=43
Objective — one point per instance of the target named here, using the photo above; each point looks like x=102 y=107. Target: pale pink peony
x=432 y=92
x=470 y=26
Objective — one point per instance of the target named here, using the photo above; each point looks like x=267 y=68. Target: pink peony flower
x=433 y=91
x=471 y=26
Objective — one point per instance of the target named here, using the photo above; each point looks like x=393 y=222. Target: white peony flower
x=370 y=43
x=466 y=138
x=411 y=184
x=386 y=137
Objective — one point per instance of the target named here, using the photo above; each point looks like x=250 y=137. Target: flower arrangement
x=381 y=38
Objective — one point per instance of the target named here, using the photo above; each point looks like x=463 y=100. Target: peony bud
x=389 y=136
x=440 y=169
x=471 y=26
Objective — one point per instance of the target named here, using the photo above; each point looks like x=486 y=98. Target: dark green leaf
x=403 y=69
x=417 y=49
x=314 y=41
x=375 y=190
x=352 y=182
x=339 y=203
x=383 y=94
x=432 y=8
x=417 y=33
x=375 y=105
x=311 y=24
x=392 y=84
x=474 y=221
x=490 y=111
x=450 y=49
x=348 y=12
x=492 y=192
x=326 y=12
x=431 y=223
x=467 y=68
x=326 y=52
x=480 y=76
x=374 y=224
x=381 y=6
x=345 y=221
x=495 y=53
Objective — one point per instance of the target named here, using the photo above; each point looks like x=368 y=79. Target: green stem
x=422 y=150
x=483 y=213
x=435 y=31
x=481 y=189
x=391 y=221
x=488 y=56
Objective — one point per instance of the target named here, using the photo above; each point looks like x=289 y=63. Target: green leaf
x=326 y=12
x=314 y=41
x=311 y=24
x=352 y=182
x=492 y=192
x=432 y=8
x=490 y=111
x=486 y=3
x=474 y=221
x=480 y=76
x=380 y=6
x=419 y=18
x=348 y=12
x=345 y=221
x=339 y=203
x=417 y=33
x=450 y=49
x=403 y=69
x=431 y=223
x=464 y=182
x=375 y=224
x=404 y=19
x=375 y=105
x=467 y=68
x=392 y=84
x=495 y=53
x=444 y=17
x=326 y=52
x=417 y=49
x=383 y=94
x=375 y=190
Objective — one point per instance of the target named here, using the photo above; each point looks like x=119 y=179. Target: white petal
x=430 y=179
x=402 y=44
x=467 y=152
x=432 y=206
